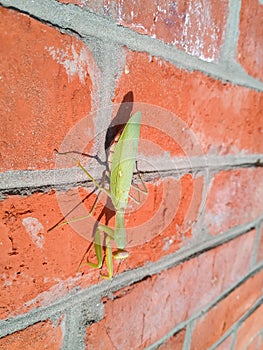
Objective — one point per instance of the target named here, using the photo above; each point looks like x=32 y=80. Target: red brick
x=45 y=90
x=175 y=342
x=250 y=43
x=222 y=316
x=81 y=3
x=143 y=313
x=226 y=344
x=251 y=326
x=43 y=335
x=234 y=198
x=260 y=247
x=42 y=265
x=195 y=27
x=224 y=118
x=255 y=344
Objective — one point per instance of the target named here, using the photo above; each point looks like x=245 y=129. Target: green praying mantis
x=121 y=170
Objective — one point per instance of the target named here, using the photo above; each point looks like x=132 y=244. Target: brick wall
x=194 y=275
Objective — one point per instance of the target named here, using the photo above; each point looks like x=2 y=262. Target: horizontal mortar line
x=43 y=180
x=107 y=287
x=86 y=24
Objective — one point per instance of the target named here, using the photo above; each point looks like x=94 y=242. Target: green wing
x=123 y=162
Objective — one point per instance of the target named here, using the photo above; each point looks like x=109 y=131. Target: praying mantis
x=121 y=170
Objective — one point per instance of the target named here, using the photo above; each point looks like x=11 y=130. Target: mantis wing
x=123 y=162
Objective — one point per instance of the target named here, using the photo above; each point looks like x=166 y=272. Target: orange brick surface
x=251 y=326
x=42 y=261
x=250 y=43
x=195 y=27
x=42 y=336
x=200 y=228
x=175 y=342
x=224 y=118
x=133 y=318
x=256 y=343
x=260 y=247
x=33 y=261
x=226 y=344
x=223 y=316
x=234 y=198
x=45 y=90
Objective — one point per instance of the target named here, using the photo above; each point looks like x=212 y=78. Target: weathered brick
x=224 y=118
x=195 y=27
x=256 y=343
x=222 y=316
x=234 y=198
x=175 y=342
x=43 y=335
x=250 y=43
x=226 y=344
x=260 y=247
x=43 y=265
x=143 y=313
x=81 y=3
x=41 y=262
x=45 y=90
x=251 y=326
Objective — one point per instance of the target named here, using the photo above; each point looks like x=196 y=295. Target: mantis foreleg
x=119 y=254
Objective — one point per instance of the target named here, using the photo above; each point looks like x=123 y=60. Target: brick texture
x=260 y=247
x=224 y=118
x=221 y=317
x=175 y=342
x=196 y=27
x=234 y=198
x=45 y=90
x=43 y=262
x=42 y=335
x=250 y=44
x=53 y=83
x=256 y=343
x=33 y=261
x=158 y=300
x=226 y=344
x=251 y=326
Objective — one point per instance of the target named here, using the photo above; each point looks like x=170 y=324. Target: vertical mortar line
x=234 y=337
x=74 y=334
x=107 y=56
x=189 y=334
x=232 y=32
x=201 y=231
x=253 y=261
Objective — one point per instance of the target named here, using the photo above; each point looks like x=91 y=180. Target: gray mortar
x=228 y=53
x=26 y=182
